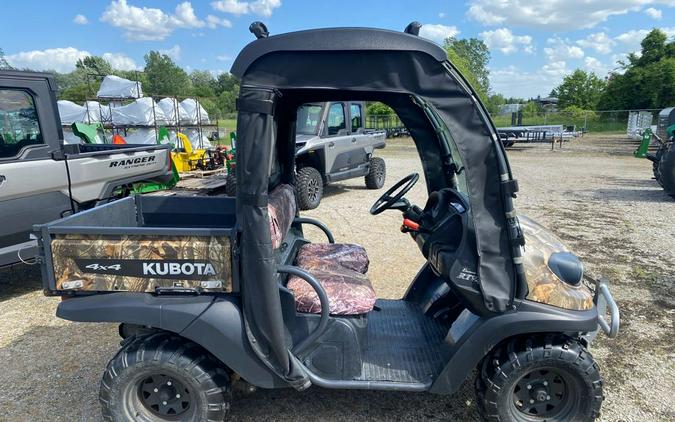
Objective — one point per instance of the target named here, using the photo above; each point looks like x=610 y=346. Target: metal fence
x=587 y=121
x=616 y=121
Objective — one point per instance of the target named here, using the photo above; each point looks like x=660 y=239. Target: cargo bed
x=142 y=244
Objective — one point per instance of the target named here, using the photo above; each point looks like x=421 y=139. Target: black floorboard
x=403 y=345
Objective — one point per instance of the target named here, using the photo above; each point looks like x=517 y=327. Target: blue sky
x=533 y=43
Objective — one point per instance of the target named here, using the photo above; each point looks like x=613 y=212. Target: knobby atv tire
x=657 y=161
x=154 y=370
x=377 y=173
x=666 y=169
x=503 y=371
x=231 y=184
x=309 y=186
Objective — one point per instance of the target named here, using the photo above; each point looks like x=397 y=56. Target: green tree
x=378 y=109
x=494 y=103
x=227 y=101
x=164 y=77
x=581 y=89
x=648 y=80
x=471 y=56
x=94 y=65
x=226 y=82
x=203 y=83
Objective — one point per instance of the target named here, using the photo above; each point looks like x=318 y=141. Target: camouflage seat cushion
x=316 y=255
x=349 y=292
x=281 y=208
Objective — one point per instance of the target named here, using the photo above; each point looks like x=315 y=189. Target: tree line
x=160 y=76
x=645 y=80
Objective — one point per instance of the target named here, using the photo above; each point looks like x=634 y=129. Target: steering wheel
x=388 y=199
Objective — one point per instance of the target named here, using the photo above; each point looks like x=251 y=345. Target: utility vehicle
x=41 y=179
x=215 y=290
x=332 y=144
x=663 y=160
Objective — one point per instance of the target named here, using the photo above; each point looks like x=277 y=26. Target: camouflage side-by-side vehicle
x=214 y=291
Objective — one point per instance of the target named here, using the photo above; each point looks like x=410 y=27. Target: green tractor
x=663 y=160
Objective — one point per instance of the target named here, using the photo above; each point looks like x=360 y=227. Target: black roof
x=335 y=39
x=30 y=74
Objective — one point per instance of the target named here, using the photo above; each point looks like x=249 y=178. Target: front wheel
x=377 y=173
x=551 y=378
x=231 y=184
x=309 y=187
x=163 y=377
x=667 y=169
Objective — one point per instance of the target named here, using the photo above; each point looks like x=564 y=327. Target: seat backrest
x=281 y=209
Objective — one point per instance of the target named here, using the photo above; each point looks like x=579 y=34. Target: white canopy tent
x=116 y=87
x=194 y=113
x=142 y=112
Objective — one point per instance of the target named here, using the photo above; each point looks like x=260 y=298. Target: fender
x=215 y=323
x=472 y=337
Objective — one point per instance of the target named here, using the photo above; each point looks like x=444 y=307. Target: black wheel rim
x=313 y=187
x=379 y=176
x=545 y=394
x=164 y=396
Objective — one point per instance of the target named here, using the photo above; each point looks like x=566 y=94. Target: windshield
x=308 y=119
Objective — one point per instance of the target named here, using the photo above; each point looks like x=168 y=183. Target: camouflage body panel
x=543 y=284
x=141 y=263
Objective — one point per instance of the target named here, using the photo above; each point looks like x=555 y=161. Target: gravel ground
x=592 y=193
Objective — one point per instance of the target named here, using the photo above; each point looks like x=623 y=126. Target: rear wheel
x=539 y=379
x=309 y=187
x=377 y=173
x=231 y=184
x=666 y=168
x=163 y=377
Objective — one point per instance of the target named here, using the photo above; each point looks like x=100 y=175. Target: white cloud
x=173 y=52
x=594 y=65
x=515 y=82
x=120 y=61
x=599 y=42
x=147 y=23
x=654 y=13
x=63 y=60
x=80 y=20
x=437 y=32
x=185 y=16
x=224 y=58
x=236 y=7
x=505 y=41
x=441 y=15
x=59 y=59
x=214 y=22
x=553 y=14
x=561 y=49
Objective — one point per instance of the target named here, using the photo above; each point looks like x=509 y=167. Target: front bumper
x=604 y=302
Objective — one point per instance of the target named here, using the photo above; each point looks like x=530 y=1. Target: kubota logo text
x=177 y=268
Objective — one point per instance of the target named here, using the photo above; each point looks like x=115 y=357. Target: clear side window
x=357 y=117
x=336 y=119
x=19 y=126
x=308 y=119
